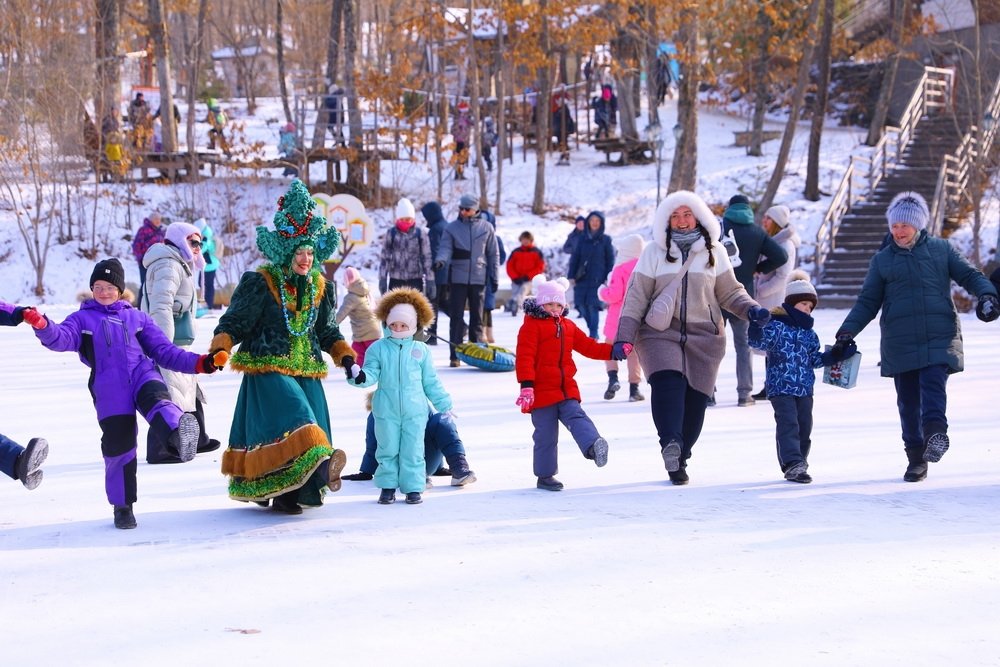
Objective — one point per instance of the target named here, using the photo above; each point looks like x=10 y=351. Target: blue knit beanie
x=908 y=208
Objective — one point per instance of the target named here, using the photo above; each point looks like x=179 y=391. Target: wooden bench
x=629 y=151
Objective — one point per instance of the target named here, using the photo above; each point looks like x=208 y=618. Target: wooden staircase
x=863 y=228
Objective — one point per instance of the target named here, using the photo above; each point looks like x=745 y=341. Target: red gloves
x=34 y=318
x=209 y=363
x=526 y=399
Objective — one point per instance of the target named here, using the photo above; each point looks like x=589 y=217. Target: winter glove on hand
x=431 y=290
x=360 y=378
x=34 y=318
x=383 y=285
x=494 y=286
x=219 y=358
x=438 y=265
x=988 y=308
x=17 y=315
x=347 y=362
x=845 y=342
x=621 y=350
x=205 y=365
x=759 y=316
x=526 y=399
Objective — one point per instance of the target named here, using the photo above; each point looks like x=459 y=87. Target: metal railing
x=933 y=91
x=958 y=169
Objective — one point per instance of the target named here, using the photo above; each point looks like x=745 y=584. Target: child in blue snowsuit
x=17 y=462
x=406 y=379
x=441 y=443
x=793 y=354
x=120 y=344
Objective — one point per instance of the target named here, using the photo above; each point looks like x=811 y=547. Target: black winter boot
x=359 y=477
x=124 y=518
x=613 y=385
x=679 y=477
x=633 y=392
x=26 y=467
x=414 y=498
x=549 y=484
x=916 y=471
x=287 y=503
x=387 y=497
x=935 y=442
x=460 y=472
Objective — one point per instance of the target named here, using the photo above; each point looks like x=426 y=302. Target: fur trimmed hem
x=255 y=463
x=290 y=479
x=340 y=350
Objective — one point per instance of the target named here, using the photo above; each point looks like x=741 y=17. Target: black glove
x=430 y=289
x=383 y=287
x=346 y=362
x=17 y=315
x=361 y=377
x=759 y=316
x=438 y=265
x=494 y=286
x=988 y=308
x=845 y=342
x=621 y=350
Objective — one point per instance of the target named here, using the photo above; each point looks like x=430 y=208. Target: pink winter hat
x=553 y=291
x=351 y=276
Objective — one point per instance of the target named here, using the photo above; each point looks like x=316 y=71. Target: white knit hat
x=404 y=209
x=405 y=313
x=629 y=247
x=800 y=289
x=779 y=214
x=909 y=208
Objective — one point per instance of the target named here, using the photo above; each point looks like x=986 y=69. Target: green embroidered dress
x=280 y=435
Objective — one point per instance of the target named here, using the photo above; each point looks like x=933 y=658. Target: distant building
x=251 y=68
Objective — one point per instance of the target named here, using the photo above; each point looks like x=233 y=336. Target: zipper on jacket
x=562 y=346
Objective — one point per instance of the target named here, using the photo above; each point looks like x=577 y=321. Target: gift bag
x=843 y=374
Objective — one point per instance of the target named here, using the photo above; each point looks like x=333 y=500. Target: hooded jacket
x=170 y=288
x=769 y=288
x=357 y=305
x=594 y=256
x=753 y=242
x=695 y=342
x=435 y=229
x=792 y=348
x=469 y=247
x=544 y=357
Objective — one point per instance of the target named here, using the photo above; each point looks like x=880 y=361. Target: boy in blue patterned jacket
x=793 y=354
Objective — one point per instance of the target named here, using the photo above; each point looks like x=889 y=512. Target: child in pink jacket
x=613 y=294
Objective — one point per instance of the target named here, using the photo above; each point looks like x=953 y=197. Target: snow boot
x=613 y=386
x=414 y=498
x=184 y=438
x=334 y=467
x=209 y=446
x=549 y=483
x=916 y=470
x=488 y=335
x=287 y=503
x=124 y=518
x=795 y=470
x=442 y=471
x=598 y=452
x=935 y=444
x=634 y=394
x=359 y=477
x=671 y=454
x=26 y=467
x=460 y=473
x=387 y=497
x=679 y=477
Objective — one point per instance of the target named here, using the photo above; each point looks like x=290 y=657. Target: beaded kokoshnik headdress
x=297 y=224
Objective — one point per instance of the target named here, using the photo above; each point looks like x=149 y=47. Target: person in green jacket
x=909 y=280
x=404 y=371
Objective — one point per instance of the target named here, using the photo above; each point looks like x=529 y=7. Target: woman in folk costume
x=282 y=318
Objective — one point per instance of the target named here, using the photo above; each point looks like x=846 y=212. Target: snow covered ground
x=621 y=568
x=858 y=568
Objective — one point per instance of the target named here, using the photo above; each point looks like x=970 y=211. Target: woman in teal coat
x=909 y=280
x=404 y=371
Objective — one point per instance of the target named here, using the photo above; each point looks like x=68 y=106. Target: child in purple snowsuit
x=120 y=345
x=17 y=462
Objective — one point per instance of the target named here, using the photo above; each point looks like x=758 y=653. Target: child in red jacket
x=545 y=369
x=525 y=262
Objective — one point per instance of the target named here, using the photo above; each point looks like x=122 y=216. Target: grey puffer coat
x=470 y=246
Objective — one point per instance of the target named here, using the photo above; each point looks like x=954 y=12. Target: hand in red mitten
x=35 y=318
x=526 y=399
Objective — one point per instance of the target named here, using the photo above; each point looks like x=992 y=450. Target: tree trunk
x=881 y=113
x=800 y=92
x=355 y=165
x=195 y=67
x=474 y=140
x=823 y=57
x=332 y=62
x=684 y=170
x=543 y=106
x=158 y=33
x=652 y=45
x=760 y=81
x=279 y=48
x=501 y=123
x=107 y=105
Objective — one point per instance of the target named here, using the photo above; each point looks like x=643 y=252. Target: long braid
x=708 y=244
x=670 y=258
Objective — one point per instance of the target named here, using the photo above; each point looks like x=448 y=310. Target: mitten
x=383 y=285
x=845 y=341
x=360 y=378
x=431 y=290
x=438 y=265
x=205 y=365
x=988 y=308
x=759 y=316
x=34 y=318
x=17 y=315
x=621 y=350
x=837 y=354
x=526 y=399
x=347 y=362
x=220 y=358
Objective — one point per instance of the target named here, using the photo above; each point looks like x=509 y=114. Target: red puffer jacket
x=544 y=358
x=525 y=263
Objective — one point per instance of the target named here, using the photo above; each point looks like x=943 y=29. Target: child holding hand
x=545 y=369
x=404 y=371
x=17 y=462
x=793 y=354
x=120 y=345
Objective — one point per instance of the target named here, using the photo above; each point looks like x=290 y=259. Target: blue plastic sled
x=486 y=357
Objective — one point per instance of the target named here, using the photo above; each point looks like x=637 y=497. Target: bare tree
x=161 y=46
x=823 y=57
x=881 y=113
x=279 y=49
x=684 y=170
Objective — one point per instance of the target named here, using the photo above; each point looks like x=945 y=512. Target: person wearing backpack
x=406 y=254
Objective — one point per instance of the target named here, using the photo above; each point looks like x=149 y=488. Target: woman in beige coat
x=682 y=361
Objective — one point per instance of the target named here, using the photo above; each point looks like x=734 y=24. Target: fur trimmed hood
x=425 y=313
x=673 y=201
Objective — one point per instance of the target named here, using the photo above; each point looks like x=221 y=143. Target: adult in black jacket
x=435 y=228
x=759 y=253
